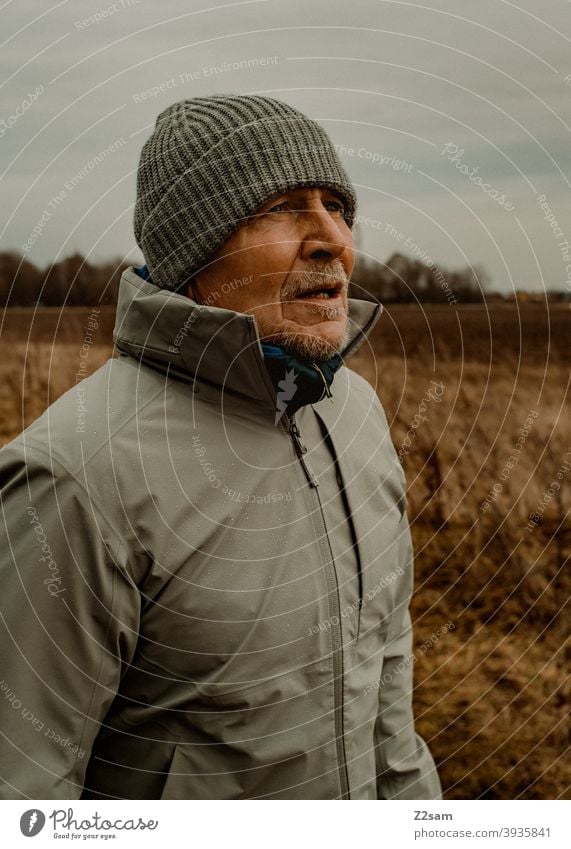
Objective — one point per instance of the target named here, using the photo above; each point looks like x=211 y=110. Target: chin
x=309 y=346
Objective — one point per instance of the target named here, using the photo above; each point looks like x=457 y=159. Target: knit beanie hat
x=213 y=161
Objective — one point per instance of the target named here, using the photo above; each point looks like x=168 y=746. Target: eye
x=331 y=204
x=279 y=207
x=335 y=206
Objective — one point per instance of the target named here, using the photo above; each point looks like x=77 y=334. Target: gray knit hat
x=213 y=161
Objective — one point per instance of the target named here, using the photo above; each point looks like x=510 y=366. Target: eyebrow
x=304 y=192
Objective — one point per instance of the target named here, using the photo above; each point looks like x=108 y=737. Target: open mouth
x=326 y=292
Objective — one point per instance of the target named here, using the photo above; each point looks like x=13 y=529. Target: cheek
x=349 y=250
x=258 y=293
x=267 y=265
x=350 y=263
x=259 y=258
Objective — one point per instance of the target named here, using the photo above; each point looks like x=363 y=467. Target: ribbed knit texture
x=213 y=161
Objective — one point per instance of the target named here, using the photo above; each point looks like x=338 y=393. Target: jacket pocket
x=200 y=772
x=271 y=739
x=384 y=575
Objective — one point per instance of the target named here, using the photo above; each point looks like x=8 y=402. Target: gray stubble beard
x=305 y=345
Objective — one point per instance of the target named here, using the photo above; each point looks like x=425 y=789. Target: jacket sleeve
x=405 y=768
x=68 y=622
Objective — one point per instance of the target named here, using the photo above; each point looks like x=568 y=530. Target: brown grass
x=492 y=695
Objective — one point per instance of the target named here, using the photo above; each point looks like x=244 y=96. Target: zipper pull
x=327 y=393
x=300 y=450
x=296 y=436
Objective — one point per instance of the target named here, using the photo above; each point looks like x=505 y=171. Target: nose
x=325 y=236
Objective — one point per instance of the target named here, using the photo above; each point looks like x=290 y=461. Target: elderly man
x=205 y=584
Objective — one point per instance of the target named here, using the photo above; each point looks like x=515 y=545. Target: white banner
x=291 y=825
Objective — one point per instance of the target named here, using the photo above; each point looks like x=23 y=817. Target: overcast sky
x=411 y=92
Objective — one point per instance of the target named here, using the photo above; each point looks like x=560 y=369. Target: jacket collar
x=218 y=348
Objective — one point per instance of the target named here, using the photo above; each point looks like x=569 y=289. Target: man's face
x=288 y=265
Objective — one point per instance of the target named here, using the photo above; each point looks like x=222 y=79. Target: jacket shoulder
x=90 y=414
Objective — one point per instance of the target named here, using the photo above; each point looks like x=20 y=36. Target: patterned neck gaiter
x=298 y=382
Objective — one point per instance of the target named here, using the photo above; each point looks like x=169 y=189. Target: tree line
x=405 y=280
x=76 y=282
x=73 y=281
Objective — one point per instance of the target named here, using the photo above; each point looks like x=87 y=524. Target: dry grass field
x=478 y=403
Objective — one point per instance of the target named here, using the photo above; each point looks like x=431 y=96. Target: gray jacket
x=196 y=602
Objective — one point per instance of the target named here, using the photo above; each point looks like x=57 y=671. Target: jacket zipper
x=301 y=450
x=335 y=616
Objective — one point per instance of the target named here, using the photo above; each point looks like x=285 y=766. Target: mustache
x=313 y=276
